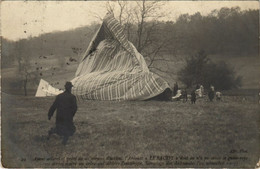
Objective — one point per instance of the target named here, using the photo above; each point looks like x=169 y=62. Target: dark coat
x=184 y=95
x=66 y=106
x=193 y=96
x=211 y=95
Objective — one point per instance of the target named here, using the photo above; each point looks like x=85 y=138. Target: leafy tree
x=26 y=72
x=200 y=70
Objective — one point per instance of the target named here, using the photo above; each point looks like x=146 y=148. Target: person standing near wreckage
x=66 y=106
x=211 y=93
x=175 y=89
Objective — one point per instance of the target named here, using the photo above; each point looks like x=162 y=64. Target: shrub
x=199 y=69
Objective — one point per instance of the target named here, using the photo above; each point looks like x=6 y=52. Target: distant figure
x=178 y=96
x=66 y=106
x=218 y=96
x=259 y=97
x=175 y=89
x=193 y=97
x=212 y=88
x=197 y=86
x=184 y=96
x=211 y=93
x=199 y=92
x=202 y=90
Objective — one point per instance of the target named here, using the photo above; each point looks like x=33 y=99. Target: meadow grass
x=132 y=128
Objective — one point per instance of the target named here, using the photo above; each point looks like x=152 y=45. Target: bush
x=200 y=70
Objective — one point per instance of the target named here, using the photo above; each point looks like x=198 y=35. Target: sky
x=22 y=19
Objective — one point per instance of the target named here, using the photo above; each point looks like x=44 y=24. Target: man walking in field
x=66 y=106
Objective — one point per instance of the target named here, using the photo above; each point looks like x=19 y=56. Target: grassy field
x=133 y=134
x=51 y=71
x=247 y=67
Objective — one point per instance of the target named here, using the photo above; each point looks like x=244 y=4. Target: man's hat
x=68 y=85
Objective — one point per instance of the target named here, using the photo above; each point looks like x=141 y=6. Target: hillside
x=55 y=43
x=228 y=35
x=49 y=56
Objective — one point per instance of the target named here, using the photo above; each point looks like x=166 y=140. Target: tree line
x=224 y=31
